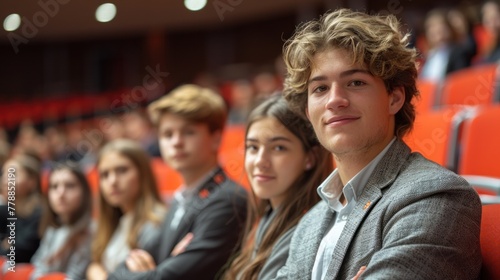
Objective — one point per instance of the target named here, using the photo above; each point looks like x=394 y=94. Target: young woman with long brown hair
x=285 y=164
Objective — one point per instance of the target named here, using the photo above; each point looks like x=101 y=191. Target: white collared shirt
x=117 y=248
x=329 y=192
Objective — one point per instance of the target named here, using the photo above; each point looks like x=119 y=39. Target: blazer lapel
x=383 y=175
x=311 y=240
x=169 y=235
x=192 y=209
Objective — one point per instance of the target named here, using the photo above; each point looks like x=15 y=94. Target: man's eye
x=357 y=83
x=319 y=89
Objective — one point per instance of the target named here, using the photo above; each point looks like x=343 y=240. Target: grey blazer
x=413 y=220
x=216 y=222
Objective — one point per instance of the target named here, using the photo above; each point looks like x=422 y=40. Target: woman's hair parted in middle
x=147 y=200
x=300 y=197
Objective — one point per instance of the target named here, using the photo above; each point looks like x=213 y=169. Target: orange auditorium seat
x=480 y=150
x=232 y=153
x=490 y=242
x=233 y=138
x=480 y=145
x=167 y=179
x=435 y=134
x=470 y=86
x=22 y=272
x=426 y=101
x=93 y=179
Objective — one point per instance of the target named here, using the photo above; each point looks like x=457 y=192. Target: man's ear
x=311 y=159
x=396 y=100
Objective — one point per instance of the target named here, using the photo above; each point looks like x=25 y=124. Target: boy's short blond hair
x=193 y=103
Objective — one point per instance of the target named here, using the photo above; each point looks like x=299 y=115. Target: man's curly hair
x=374 y=41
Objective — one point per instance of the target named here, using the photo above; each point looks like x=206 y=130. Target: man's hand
x=361 y=270
x=181 y=246
x=139 y=260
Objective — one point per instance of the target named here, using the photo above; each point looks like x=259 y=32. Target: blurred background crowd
x=68 y=83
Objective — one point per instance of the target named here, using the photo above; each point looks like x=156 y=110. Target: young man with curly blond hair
x=386 y=213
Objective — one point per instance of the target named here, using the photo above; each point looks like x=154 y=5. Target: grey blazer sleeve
x=426 y=226
x=278 y=256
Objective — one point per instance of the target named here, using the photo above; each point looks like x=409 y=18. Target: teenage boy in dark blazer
x=204 y=222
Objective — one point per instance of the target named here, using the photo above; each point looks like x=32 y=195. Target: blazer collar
x=384 y=174
x=198 y=202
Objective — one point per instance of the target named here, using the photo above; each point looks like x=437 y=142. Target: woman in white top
x=65 y=225
x=130 y=206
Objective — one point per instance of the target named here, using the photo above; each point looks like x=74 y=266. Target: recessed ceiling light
x=12 y=22
x=106 y=12
x=195 y=5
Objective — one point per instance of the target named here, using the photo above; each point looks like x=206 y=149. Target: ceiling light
x=106 y=12
x=195 y=5
x=12 y=22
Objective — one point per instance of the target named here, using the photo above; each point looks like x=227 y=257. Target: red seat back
x=490 y=241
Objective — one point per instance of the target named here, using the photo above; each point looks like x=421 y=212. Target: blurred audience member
x=57 y=143
x=139 y=128
x=206 y=80
x=464 y=29
x=130 y=209
x=112 y=128
x=491 y=21
x=4 y=152
x=242 y=100
x=444 y=55
x=21 y=182
x=265 y=84
x=65 y=225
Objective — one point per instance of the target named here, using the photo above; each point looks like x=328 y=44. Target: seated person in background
x=21 y=177
x=444 y=55
x=284 y=163
x=203 y=226
x=65 y=225
x=463 y=26
x=491 y=21
x=139 y=128
x=130 y=208
x=385 y=210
